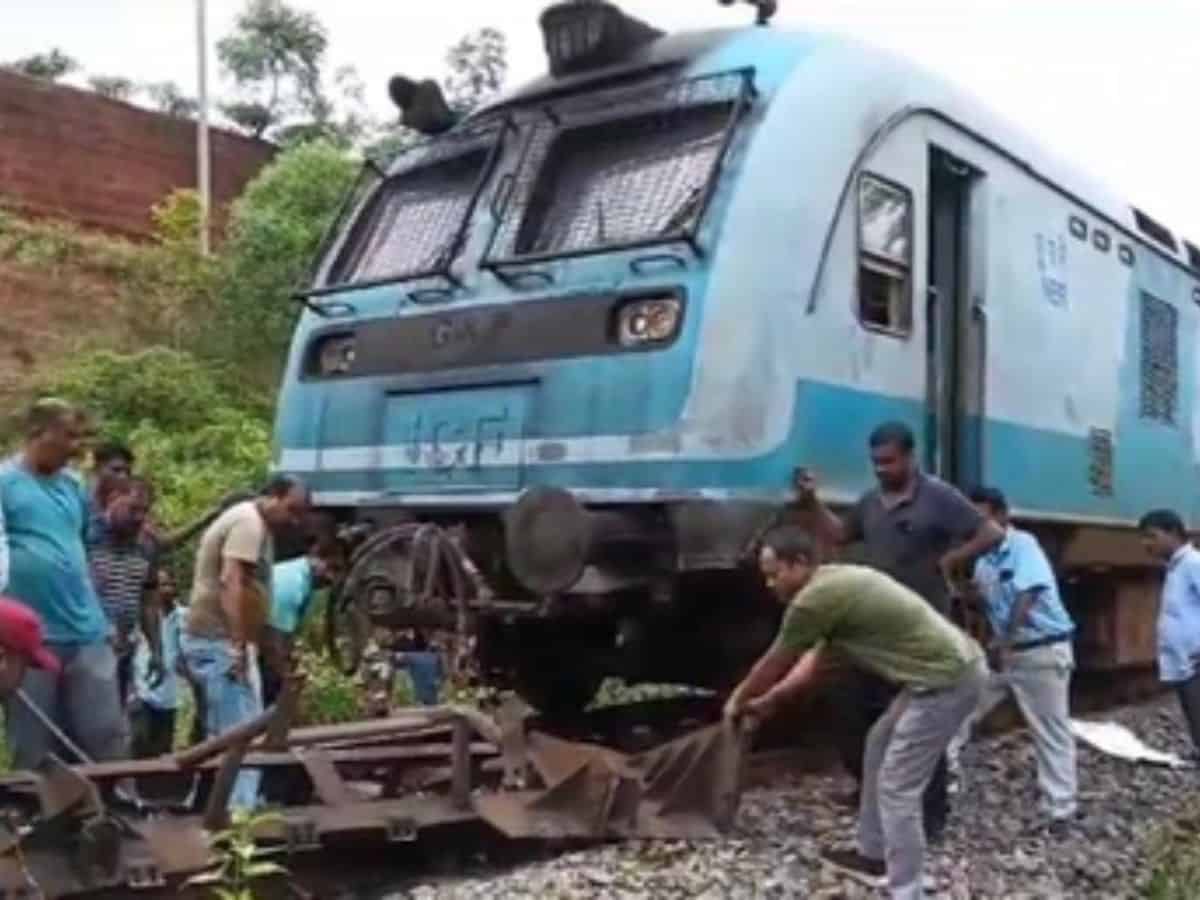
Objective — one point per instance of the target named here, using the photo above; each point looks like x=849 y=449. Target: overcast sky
x=1110 y=84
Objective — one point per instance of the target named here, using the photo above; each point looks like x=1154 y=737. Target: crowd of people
x=94 y=643
x=918 y=683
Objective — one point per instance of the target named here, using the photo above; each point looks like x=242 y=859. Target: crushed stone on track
x=991 y=848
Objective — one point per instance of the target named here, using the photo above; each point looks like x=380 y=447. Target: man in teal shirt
x=293 y=584
x=45 y=512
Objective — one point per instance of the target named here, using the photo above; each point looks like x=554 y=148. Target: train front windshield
x=621 y=182
x=598 y=172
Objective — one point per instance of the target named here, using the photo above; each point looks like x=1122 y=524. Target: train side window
x=1159 y=394
x=884 y=256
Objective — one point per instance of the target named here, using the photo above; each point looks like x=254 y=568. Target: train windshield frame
x=620 y=169
x=410 y=224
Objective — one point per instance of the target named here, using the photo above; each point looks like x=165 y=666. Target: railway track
x=448 y=784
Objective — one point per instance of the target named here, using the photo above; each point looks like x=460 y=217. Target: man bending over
x=886 y=628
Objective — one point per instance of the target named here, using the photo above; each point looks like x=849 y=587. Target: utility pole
x=203 y=181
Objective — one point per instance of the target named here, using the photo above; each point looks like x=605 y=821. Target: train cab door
x=955 y=321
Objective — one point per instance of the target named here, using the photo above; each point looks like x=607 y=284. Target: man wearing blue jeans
x=229 y=608
x=45 y=517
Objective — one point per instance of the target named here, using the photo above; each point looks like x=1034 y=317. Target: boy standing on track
x=156 y=696
x=1166 y=539
x=124 y=568
x=1031 y=653
x=890 y=631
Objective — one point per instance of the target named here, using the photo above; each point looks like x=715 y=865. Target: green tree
x=112 y=86
x=389 y=143
x=167 y=97
x=196 y=428
x=274 y=230
x=252 y=118
x=275 y=55
x=478 y=65
x=342 y=119
x=168 y=297
x=50 y=66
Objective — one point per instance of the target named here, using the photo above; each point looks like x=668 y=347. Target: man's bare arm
x=986 y=536
x=770 y=667
x=151 y=622
x=828 y=525
x=236 y=576
x=796 y=680
x=173 y=541
x=1020 y=615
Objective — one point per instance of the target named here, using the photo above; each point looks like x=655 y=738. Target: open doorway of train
x=955 y=322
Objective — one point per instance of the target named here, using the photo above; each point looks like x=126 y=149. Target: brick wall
x=74 y=155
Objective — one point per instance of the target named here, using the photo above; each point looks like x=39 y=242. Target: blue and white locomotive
x=598 y=323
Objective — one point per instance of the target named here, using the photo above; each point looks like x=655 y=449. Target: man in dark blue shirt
x=921 y=531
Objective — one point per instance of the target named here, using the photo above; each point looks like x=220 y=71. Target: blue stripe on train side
x=1039 y=470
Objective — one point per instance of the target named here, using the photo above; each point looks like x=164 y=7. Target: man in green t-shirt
x=883 y=627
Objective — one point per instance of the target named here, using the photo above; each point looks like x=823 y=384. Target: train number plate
x=456 y=439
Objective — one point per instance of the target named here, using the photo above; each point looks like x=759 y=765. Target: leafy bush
x=194 y=434
x=329 y=697
x=177 y=218
x=275 y=229
x=1174 y=858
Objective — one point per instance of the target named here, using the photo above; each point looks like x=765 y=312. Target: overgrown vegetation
x=231 y=314
x=275 y=229
x=179 y=354
x=284 y=89
x=1174 y=857
x=193 y=431
x=240 y=863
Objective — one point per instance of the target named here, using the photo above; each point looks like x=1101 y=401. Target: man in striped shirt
x=124 y=568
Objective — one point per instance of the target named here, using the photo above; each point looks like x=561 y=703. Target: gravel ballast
x=992 y=847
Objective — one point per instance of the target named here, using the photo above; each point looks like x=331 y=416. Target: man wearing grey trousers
x=883 y=627
x=1031 y=654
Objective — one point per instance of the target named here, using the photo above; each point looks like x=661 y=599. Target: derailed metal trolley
x=378 y=782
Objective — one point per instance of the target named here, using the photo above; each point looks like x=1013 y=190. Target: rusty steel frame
x=381 y=781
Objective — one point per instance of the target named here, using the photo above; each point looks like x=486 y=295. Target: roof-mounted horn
x=590 y=34
x=766 y=9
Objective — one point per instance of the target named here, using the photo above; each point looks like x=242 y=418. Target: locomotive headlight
x=335 y=355
x=643 y=322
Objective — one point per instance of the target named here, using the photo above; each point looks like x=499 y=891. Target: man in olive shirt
x=921 y=531
x=887 y=629
x=229 y=607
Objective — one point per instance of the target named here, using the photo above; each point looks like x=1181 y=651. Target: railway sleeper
x=71 y=833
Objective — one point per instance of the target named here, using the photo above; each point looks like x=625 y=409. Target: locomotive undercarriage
x=550 y=598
